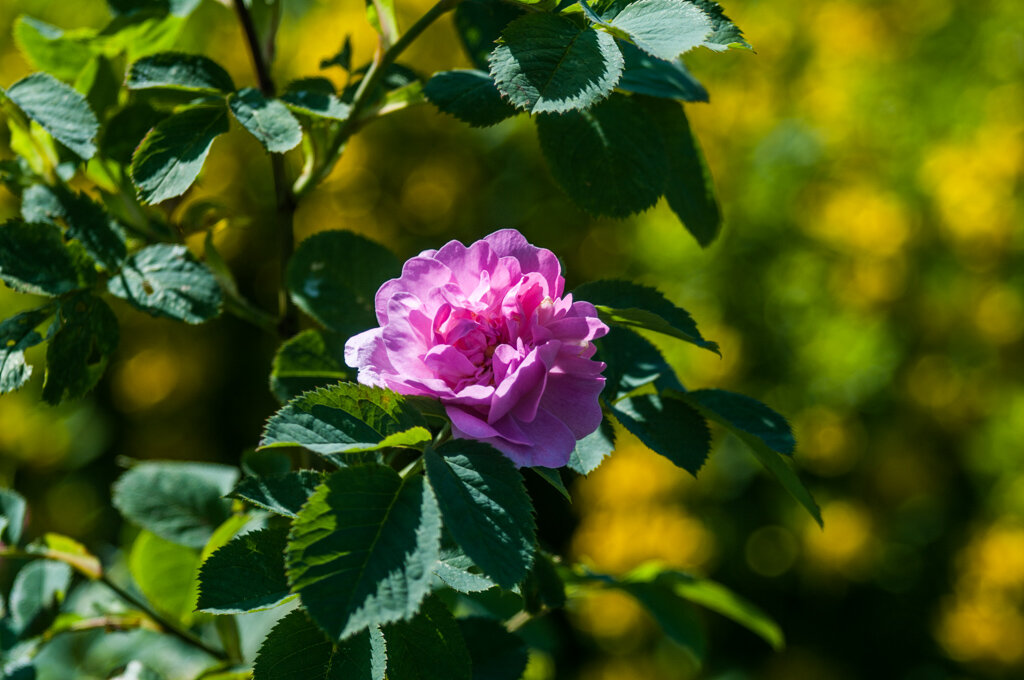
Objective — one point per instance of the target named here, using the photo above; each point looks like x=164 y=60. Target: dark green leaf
x=547 y=63
x=688 y=188
x=609 y=159
x=624 y=303
x=297 y=650
x=496 y=654
x=50 y=49
x=247 y=574
x=16 y=335
x=485 y=507
x=311 y=359
x=334 y=276
x=591 y=451
x=346 y=418
x=35 y=259
x=280 y=494
x=164 y=280
x=664 y=28
x=87 y=222
x=675 y=616
x=667 y=426
x=165 y=572
x=269 y=120
x=724 y=33
x=179 y=8
x=342 y=58
x=543 y=588
x=480 y=23
x=38 y=587
x=78 y=352
x=100 y=81
x=762 y=429
x=553 y=477
x=180 y=502
x=126 y=129
x=428 y=647
x=59 y=109
x=361 y=550
x=266 y=463
x=470 y=96
x=12 y=517
x=321 y=102
x=177 y=71
x=644 y=74
x=632 y=363
x=170 y=157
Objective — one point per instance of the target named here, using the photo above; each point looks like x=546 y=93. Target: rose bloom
x=486 y=330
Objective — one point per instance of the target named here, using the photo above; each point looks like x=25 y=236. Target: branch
x=366 y=91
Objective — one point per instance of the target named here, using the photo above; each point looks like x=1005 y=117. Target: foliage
x=386 y=537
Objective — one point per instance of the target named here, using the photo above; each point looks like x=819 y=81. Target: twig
x=366 y=91
x=285 y=200
x=168 y=625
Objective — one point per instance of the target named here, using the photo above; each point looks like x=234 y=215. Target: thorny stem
x=367 y=90
x=285 y=200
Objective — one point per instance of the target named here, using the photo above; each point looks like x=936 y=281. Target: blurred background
x=869 y=285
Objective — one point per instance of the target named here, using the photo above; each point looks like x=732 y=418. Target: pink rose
x=486 y=330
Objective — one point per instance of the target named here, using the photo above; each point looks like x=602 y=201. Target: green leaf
x=342 y=58
x=315 y=97
x=268 y=120
x=675 y=616
x=485 y=507
x=16 y=335
x=87 y=222
x=245 y=575
x=177 y=71
x=470 y=96
x=64 y=549
x=719 y=599
x=267 y=463
x=496 y=654
x=609 y=159
x=311 y=359
x=724 y=33
x=667 y=426
x=624 y=303
x=381 y=15
x=644 y=74
x=280 y=494
x=455 y=570
x=361 y=550
x=35 y=259
x=480 y=23
x=38 y=587
x=171 y=155
x=142 y=33
x=346 y=418
x=165 y=572
x=51 y=49
x=664 y=28
x=429 y=647
x=179 y=8
x=762 y=429
x=80 y=349
x=689 y=188
x=126 y=129
x=591 y=451
x=632 y=363
x=553 y=477
x=547 y=63
x=180 y=502
x=297 y=650
x=166 y=281
x=334 y=276
x=59 y=109
x=12 y=516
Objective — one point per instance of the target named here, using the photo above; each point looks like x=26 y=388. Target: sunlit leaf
x=177 y=71
x=269 y=120
x=59 y=109
x=165 y=280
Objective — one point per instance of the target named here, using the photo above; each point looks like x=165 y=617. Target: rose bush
x=486 y=329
